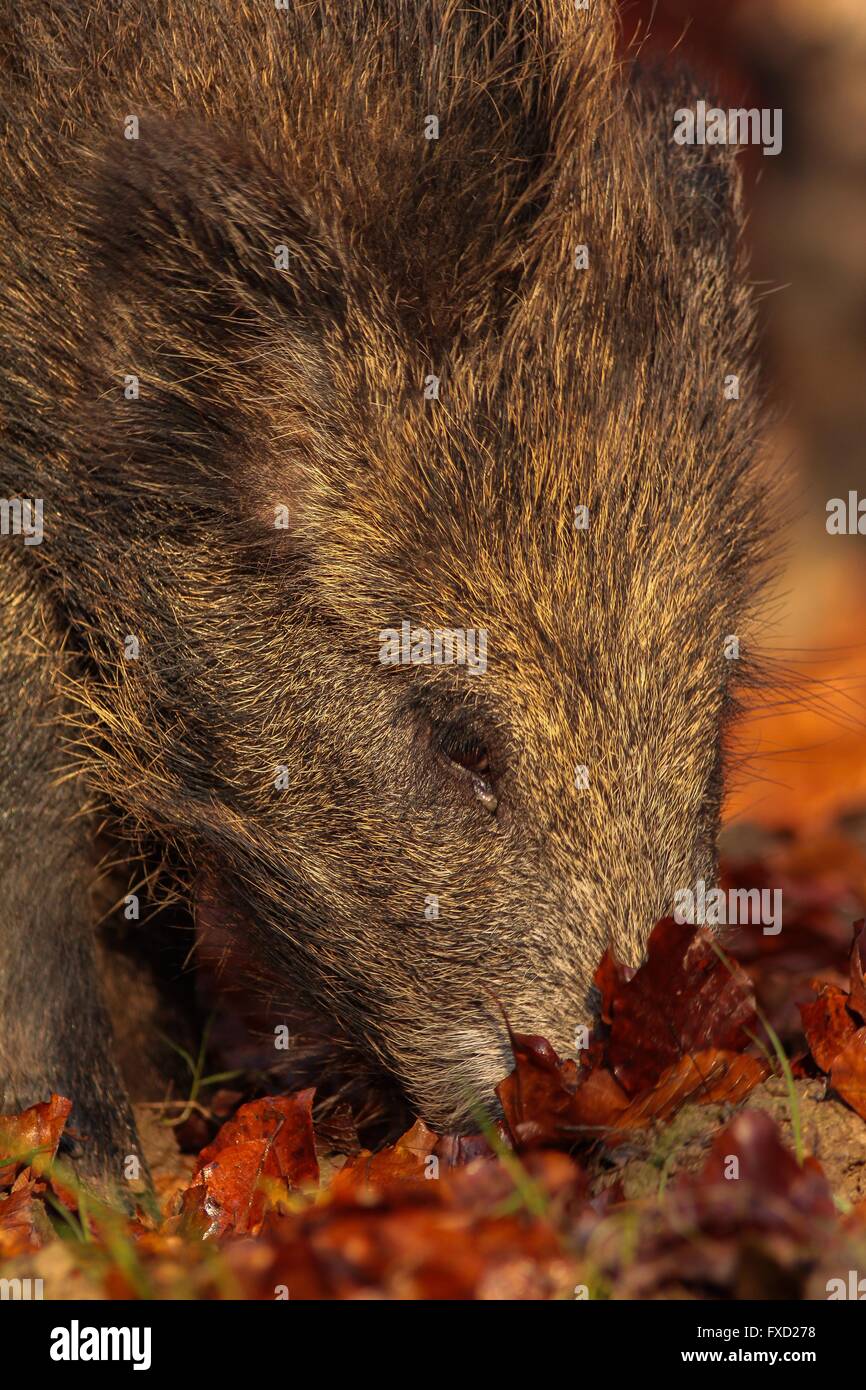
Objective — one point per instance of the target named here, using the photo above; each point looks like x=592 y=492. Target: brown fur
x=559 y=386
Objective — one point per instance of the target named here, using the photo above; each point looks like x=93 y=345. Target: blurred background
x=799 y=757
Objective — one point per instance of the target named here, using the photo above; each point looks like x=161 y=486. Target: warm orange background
x=800 y=756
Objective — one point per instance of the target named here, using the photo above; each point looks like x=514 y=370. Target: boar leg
x=54 y=1030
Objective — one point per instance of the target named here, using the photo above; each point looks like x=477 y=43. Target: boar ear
x=700 y=184
x=212 y=291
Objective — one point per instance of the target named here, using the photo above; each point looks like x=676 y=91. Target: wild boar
x=335 y=320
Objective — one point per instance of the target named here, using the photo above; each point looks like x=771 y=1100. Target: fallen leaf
x=261 y=1155
x=705 y=1078
x=857 y=1001
x=767 y=1180
x=610 y=978
x=683 y=999
x=848 y=1073
x=405 y=1161
x=31 y=1138
x=827 y=1023
x=19 y=1214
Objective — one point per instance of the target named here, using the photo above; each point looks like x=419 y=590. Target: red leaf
x=857 y=1001
x=767 y=1174
x=258 y=1157
x=703 y=1078
x=401 y=1162
x=538 y=1093
x=848 y=1075
x=827 y=1023
x=547 y=1101
x=31 y=1138
x=598 y=1104
x=18 y=1233
x=683 y=999
x=610 y=978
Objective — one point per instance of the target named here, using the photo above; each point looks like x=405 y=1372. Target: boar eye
x=468 y=752
x=464 y=750
x=472 y=756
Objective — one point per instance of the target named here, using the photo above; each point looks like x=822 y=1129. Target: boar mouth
x=447 y=1079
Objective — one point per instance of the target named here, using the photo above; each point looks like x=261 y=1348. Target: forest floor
x=710 y=1142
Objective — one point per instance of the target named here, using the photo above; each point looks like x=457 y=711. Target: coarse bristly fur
x=304 y=388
